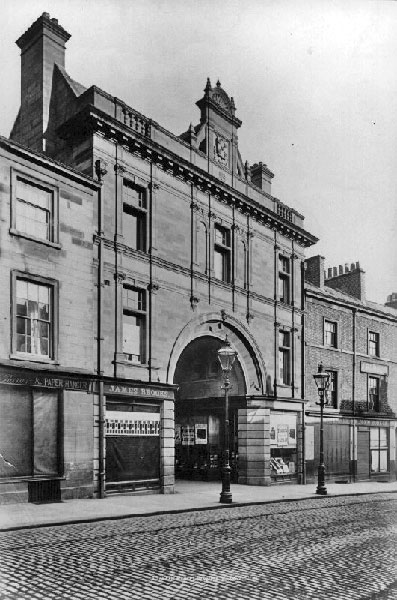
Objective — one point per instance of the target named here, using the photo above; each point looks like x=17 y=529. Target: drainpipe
x=276 y=324
x=303 y=370
x=116 y=267
x=354 y=457
x=150 y=336
x=100 y=172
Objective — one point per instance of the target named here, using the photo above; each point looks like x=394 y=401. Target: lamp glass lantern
x=321 y=379
x=226 y=356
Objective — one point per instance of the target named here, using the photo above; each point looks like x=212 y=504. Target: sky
x=314 y=83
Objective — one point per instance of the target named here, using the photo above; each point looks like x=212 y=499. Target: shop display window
x=283 y=446
x=378 y=447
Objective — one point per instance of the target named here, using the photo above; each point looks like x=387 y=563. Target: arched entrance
x=200 y=410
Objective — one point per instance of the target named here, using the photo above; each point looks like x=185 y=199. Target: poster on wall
x=178 y=435
x=282 y=434
x=309 y=443
x=200 y=433
x=187 y=435
x=283 y=430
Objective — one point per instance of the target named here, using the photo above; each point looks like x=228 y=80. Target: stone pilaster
x=254 y=446
x=167 y=448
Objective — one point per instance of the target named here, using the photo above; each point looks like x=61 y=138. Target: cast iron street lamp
x=322 y=382
x=226 y=356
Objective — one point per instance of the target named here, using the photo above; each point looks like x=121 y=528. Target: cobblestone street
x=331 y=548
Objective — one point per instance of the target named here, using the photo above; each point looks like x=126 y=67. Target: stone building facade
x=356 y=340
x=46 y=337
x=188 y=247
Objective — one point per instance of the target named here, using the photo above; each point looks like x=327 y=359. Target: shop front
x=284 y=446
x=45 y=452
x=375 y=450
x=139 y=437
x=354 y=449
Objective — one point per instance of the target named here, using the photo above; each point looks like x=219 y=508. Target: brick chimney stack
x=314 y=270
x=392 y=300
x=42 y=46
x=262 y=177
x=348 y=280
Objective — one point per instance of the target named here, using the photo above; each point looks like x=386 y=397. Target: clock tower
x=217 y=132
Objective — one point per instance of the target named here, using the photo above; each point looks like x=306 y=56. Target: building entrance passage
x=200 y=412
x=199 y=443
x=132 y=446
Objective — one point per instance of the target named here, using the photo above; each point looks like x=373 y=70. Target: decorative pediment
x=220 y=97
x=217 y=99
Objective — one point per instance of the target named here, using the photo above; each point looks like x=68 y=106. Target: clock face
x=221 y=150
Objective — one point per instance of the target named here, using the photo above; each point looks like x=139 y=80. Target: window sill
x=35 y=239
x=128 y=363
x=27 y=478
x=35 y=359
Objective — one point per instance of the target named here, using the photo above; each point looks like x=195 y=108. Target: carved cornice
x=91 y=119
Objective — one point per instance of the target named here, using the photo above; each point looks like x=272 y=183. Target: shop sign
x=200 y=433
x=374 y=368
x=187 y=435
x=146 y=392
x=45 y=381
x=368 y=423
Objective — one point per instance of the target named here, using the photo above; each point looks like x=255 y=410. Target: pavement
x=188 y=496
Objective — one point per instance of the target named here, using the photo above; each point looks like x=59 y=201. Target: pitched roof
x=332 y=293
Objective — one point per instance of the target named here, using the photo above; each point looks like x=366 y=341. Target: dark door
x=337 y=449
x=363 y=463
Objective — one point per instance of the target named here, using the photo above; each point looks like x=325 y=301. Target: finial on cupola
x=218 y=83
x=246 y=170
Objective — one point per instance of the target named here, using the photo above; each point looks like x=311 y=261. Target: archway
x=200 y=410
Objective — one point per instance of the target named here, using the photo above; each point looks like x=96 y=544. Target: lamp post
x=322 y=382
x=226 y=356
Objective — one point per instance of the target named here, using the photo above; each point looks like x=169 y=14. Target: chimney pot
x=340 y=270
x=335 y=272
x=346 y=268
x=329 y=272
x=352 y=266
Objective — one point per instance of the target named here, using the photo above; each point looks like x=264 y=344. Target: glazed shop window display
x=283 y=450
